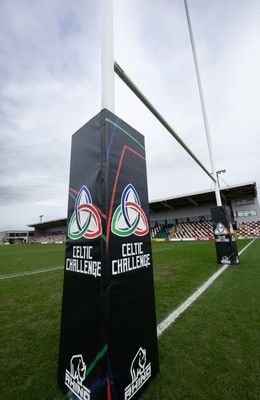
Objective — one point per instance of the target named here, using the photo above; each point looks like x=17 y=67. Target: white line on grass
x=167 y=248
x=38 y=271
x=175 y=314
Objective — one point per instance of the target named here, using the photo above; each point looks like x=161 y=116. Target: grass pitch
x=210 y=352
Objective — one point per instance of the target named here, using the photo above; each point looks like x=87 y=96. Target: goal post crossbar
x=122 y=75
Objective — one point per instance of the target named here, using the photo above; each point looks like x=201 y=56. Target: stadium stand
x=50 y=231
x=202 y=230
x=194 y=230
x=161 y=231
x=249 y=229
x=16 y=236
x=187 y=230
x=50 y=238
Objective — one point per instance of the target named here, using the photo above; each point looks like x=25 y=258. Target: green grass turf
x=210 y=352
x=19 y=258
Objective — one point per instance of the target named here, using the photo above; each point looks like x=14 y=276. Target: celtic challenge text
x=82 y=262
x=132 y=258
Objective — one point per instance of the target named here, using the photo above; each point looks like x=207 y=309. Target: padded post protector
x=224 y=235
x=108 y=340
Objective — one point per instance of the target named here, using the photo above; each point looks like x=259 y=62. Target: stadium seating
x=201 y=230
x=249 y=229
x=161 y=232
x=193 y=230
x=49 y=238
x=187 y=230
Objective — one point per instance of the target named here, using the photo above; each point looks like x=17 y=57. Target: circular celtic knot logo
x=129 y=217
x=85 y=220
x=221 y=229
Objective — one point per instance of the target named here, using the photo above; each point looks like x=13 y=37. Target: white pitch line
x=167 y=248
x=175 y=314
x=25 y=273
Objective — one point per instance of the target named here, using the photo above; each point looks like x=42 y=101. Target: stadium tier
x=188 y=230
x=249 y=229
x=202 y=230
x=198 y=230
x=189 y=216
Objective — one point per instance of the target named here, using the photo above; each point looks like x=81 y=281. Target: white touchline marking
x=167 y=248
x=25 y=273
x=175 y=314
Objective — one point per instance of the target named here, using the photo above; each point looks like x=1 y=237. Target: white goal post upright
x=107 y=56
x=203 y=106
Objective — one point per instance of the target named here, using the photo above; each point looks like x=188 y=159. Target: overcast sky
x=50 y=85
